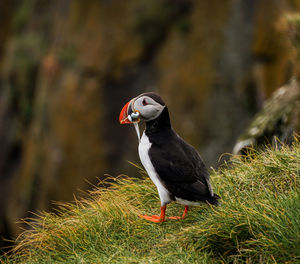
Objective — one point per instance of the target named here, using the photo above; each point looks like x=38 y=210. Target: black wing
x=180 y=168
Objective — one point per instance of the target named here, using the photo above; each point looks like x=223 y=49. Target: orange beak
x=124 y=115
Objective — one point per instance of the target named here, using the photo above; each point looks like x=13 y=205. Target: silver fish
x=133 y=117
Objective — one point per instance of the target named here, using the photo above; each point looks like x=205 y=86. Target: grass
x=257 y=222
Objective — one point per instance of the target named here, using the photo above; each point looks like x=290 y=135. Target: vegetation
x=257 y=222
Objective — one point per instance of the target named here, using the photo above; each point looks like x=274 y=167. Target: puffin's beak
x=124 y=114
x=129 y=115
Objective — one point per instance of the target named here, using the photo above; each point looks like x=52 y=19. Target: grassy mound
x=258 y=221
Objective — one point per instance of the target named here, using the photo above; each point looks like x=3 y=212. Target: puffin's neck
x=159 y=124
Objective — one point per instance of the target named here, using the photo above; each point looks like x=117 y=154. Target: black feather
x=177 y=163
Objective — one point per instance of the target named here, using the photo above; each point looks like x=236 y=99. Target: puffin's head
x=145 y=107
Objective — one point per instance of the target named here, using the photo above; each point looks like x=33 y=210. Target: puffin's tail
x=214 y=200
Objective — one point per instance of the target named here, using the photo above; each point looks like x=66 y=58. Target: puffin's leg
x=186 y=208
x=156 y=218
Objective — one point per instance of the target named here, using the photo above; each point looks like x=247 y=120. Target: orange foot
x=186 y=208
x=156 y=218
x=153 y=218
x=175 y=217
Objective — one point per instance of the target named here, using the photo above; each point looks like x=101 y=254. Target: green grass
x=257 y=222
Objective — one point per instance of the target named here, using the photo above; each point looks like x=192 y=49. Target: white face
x=147 y=107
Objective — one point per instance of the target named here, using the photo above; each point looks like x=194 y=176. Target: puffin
x=174 y=166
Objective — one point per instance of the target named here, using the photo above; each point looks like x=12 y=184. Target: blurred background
x=68 y=67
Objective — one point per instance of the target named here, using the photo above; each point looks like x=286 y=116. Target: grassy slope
x=258 y=221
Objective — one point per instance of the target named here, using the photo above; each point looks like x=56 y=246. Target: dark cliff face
x=68 y=67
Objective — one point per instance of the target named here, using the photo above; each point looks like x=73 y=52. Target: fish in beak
x=128 y=115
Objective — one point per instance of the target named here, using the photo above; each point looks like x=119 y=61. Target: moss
x=277 y=119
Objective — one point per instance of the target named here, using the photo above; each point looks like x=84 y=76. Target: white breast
x=144 y=147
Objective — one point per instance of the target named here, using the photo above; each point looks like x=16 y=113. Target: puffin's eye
x=144 y=102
